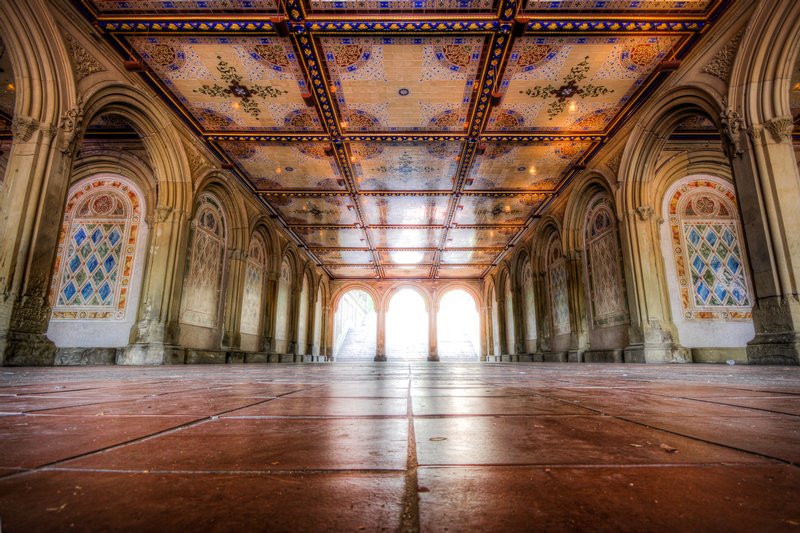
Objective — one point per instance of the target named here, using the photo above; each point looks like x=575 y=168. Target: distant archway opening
x=458 y=327
x=354 y=327
x=407 y=327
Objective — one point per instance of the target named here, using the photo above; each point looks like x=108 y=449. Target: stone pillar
x=326 y=339
x=543 y=313
x=234 y=294
x=155 y=337
x=433 y=337
x=294 y=323
x=501 y=324
x=33 y=198
x=768 y=191
x=486 y=331
x=519 y=322
x=380 y=341
x=652 y=333
x=578 y=312
x=269 y=304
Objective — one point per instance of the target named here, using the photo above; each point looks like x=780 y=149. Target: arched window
x=96 y=251
x=254 y=285
x=707 y=245
x=604 y=264
x=530 y=307
x=557 y=280
x=204 y=281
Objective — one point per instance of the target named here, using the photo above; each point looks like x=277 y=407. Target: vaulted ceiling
x=404 y=138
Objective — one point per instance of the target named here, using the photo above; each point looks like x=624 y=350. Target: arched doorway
x=458 y=327
x=355 y=327
x=407 y=327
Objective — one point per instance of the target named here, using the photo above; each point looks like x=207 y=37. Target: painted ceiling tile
x=406 y=237
x=406 y=257
x=525 y=166
x=460 y=271
x=468 y=257
x=403 y=83
x=353 y=271
x=8 y=95
x=350 y=6
x=479 y=238
x=407 y=272
x=405 y=166
x=575 y=84
x=487 y=210
x=314 y=209
x=344 y=257
x=332 y=238
x=232 y=83
x=175 y=6
x=282 y=166
x=634 y=6
x=415 y=210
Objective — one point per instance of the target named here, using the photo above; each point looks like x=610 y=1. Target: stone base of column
x=151 y=353
x=433 y=358
x=575 y=356
x=380 y=359
x=777 y=341
x=657 y=353
x=603 y=356
x=27 y=349
x=87 y=356
x=774 y=349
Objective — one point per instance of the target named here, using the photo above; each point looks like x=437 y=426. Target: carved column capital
x=732 y=128
x=780 y=128
x=23 y=127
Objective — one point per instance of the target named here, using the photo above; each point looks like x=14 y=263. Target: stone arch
x=347 y=287
x=253 y=310
x=493 y=337
x=284 y=305
x=386 y=298
x=474 y=332
x=235 y=212
x=508 y=321
x=305 y=296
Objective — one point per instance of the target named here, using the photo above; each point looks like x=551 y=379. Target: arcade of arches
x=139 y=225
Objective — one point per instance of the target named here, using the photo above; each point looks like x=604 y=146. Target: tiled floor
x=400 y=447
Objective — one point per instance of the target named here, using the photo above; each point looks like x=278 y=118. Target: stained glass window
x=604 y=264
x=96 y=250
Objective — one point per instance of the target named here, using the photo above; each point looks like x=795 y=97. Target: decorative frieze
x=84 y=62
x=722 y=62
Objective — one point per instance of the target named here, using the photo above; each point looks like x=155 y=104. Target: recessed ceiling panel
x=408 y=271
x=366 y=271
x=461 y=271
x=489 y=210
x=575 y=84
x=406 y=237
x=479 y=238
x=279 y=166
x=403 y=83
x=469 y=257
x=415 y=210
x=314 y=209
x=405 y=166
x=332 y=237
x=406 y=257
x=633 y=7
x=525 y=166
x=177 y=6
x=343 y=257
x=400 y=6
x=232 y=83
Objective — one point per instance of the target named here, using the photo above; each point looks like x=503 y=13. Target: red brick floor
x=400 y=447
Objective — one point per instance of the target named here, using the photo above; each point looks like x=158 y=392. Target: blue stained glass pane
x=97 y=236
x=113 y=237
x=711 y=237
x=721 y=293
x=79 y=236
x=702 y=291
x=74 y=263
x=694 y=237
x=87 y=291
x=104 y=291
x=70 y=290
x=92 y=263
x=715 y=264
x=109 y=263
x=733 y=264
x=727 y=236
x=698 y=264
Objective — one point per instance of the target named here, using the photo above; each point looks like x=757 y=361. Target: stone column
x=380 y=341
x=519 y=322
x=33 y=198
x=652 y=333
x=294 y=323
x=155 y=337
x=578 y=312
x=501 y=324
x=486 y=331
x=433 y=337
x=234 y=294
x=543 y=312
x=768 y=191
x=326 y=339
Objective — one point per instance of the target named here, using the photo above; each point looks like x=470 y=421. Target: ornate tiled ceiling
x=405 y=138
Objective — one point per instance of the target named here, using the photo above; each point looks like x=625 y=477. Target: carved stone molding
x=163 y=213
x=23 y=127
x=780 y=128
x=83 y=61
x=644 y=212
x=614 y=163
x=732 y=126
x=722 y=62
x=70 y=124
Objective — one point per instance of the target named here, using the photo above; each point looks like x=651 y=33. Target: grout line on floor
x=409 y=519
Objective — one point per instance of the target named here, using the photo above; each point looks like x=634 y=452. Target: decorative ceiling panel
x=408 y=271
x=285 y=166
x=632 y=6
x=332 y=237
x=525 y=166
x=469 y=256
x=343 y=257
x=406 y=237
x=176 y=6
x=423 y=210
x=8 y=90
x=461 y=271
x=479 y=238
x=408 y=256
x=403 y=83
x=399 y=166
x=400 y=6
x=353 y=271
x=307 y=209
x=574 y=84
x=232 y=83
x=489 y=210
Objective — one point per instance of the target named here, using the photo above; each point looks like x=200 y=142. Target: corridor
x=400 y=447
